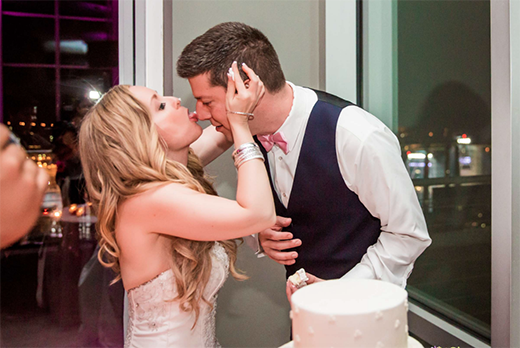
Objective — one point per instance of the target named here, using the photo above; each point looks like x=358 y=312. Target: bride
x=159 y=217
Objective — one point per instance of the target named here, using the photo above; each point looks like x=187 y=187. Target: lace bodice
x=157 y=321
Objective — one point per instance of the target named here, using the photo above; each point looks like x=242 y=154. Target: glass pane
x=29 y=108
x=80 y=88
x=44 y=7
x=37 y=36
x=438 y=53
x=89 y=9
x=88 y=43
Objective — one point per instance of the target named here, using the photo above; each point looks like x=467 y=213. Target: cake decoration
x=299 y=278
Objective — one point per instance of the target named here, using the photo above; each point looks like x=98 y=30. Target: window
x=57 y=58
x=427 y=72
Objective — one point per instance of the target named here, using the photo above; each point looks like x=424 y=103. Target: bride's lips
x=193 y=116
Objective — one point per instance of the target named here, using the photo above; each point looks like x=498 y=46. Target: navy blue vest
x=334 y=226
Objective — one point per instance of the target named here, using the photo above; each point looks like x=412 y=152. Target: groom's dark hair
x=215 y=50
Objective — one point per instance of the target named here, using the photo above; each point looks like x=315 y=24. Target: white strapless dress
x=157 y=322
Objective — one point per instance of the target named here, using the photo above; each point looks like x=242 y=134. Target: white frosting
x=350 y=313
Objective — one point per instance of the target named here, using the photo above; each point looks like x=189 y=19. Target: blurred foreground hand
x=22 y=186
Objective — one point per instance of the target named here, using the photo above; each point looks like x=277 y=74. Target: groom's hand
x=274 y=241
x=290 y=289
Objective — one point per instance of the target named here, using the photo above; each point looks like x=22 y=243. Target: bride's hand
x=240 y=98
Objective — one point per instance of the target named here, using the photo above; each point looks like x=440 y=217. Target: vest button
x=280 y=158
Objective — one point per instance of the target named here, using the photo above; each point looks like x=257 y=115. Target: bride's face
x=174 y=123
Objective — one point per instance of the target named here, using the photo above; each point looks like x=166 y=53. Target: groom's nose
x=202 y=113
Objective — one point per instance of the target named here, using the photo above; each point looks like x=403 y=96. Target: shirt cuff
x=364 y=271
x=253 y=242
x=360 y=271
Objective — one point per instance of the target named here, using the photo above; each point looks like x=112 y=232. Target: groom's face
x=211 y=103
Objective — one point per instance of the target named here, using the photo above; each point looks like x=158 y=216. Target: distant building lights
x=430 y=134
x=416 y=155
x=466 y=160
x=464 y=141
x=430 y=156
x=42 y=124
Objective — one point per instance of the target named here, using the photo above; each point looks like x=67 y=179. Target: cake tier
x=412 y=343
x=350 y=313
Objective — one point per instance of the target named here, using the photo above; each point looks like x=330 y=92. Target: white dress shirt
x=370 y=162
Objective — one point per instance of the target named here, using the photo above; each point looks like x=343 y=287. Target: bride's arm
x=177 y=210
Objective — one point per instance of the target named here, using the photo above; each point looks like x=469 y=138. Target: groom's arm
x=369 y=157
x=210 y=145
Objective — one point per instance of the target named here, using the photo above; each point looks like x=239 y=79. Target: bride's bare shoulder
x=161 y=195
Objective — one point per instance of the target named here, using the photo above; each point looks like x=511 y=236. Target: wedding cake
x=350 y=313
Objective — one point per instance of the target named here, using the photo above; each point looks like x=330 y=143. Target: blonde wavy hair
x=123 y=155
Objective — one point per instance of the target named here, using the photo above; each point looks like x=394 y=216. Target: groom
x=346 y=206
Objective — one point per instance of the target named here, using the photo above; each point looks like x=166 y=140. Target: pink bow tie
x=269 y=140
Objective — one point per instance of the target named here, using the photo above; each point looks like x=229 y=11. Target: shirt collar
x=302 y=104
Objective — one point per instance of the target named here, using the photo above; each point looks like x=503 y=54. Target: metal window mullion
x=501 y=179
x=57 y=71
x=126 y=42
x=140 y=42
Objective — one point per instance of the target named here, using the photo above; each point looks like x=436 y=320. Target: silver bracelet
x=248 y=158
x=246 y=152
x=242 y=148
x=250 y=116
